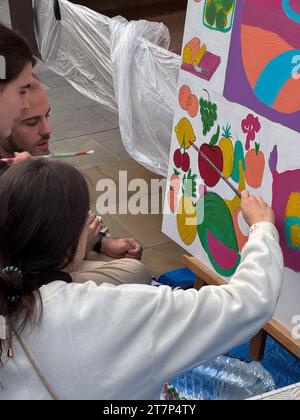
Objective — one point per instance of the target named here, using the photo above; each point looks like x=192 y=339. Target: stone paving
x=81 y=124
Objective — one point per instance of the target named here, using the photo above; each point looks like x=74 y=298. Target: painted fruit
x=177 y=158
x=255 y=167
x=173 y=193
x=217 y=234
x=186 y=162
x=221 y=19
x=185 y=133
x=208 y=174
x=184 y=94
x=238 y=158
x=227 y=149
x=208 y=112
x=187 y=220
x=227 y=5
x=210 y=12
x=192 y=106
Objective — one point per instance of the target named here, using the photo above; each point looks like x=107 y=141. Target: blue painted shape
x=274 y=76
x=291 y=14
x=238 y=157
x=288 y=223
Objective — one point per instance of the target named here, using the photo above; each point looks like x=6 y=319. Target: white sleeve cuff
x=267 y=228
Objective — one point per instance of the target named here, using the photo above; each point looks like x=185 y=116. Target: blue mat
x=178 y=278
x=284 y=368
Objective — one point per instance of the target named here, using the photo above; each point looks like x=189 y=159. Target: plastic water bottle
x=224 y=378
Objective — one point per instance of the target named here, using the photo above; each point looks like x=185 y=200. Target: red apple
x=215 y=155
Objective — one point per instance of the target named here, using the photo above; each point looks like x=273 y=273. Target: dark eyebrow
x=27 y=86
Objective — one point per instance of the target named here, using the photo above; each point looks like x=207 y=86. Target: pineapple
x=228 y=153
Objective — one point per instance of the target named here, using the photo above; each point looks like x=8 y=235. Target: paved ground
x=81 y=124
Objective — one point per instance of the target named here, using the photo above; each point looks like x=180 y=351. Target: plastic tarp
x=125 y=66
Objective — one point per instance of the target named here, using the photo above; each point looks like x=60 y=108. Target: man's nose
x=24 y=102
x=45 y=128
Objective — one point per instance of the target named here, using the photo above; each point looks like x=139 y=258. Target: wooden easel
x=206 y=276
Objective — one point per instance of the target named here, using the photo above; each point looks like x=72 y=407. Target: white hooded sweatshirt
x=123 y=342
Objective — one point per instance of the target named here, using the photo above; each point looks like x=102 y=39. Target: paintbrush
x=216 y=169
x=66 y=155
x=54 y=156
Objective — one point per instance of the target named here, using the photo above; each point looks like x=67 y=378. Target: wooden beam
x=22 y=19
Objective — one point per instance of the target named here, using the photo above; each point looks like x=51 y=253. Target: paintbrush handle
x=53 y=156
x=217 y=170
x=66 y=155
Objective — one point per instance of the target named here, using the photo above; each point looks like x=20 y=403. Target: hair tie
x=11 y=270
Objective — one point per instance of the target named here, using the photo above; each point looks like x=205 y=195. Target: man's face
x=13 y=100
x=32 y=132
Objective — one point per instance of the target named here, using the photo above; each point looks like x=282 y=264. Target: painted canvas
x=264 y=61
x=252 y=151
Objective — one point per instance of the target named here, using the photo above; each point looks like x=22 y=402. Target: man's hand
x=94 y=228
x=20 y=157
x=122 y=248
x=255 y=209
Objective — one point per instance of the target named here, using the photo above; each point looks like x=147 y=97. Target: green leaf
x=257 y=146
x=189 y=185
x=215 y=138
x=183 y=142
x=227 y=131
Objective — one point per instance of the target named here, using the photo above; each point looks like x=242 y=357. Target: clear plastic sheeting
x=224 y=378
x=125 y=66
x=77 y=47
x=145 y=80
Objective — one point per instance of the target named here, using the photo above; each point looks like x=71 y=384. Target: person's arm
x=191 y=327
x=122 y=248
x=96 y=227
x=159 y=333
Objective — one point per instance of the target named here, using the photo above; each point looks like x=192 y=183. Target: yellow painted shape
x=235 y=204
x=293 y=205
x=187 y=221
x=295 y=235
x=191 y=50
x=228 y=156
x=200 y=55
x=185 y=133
